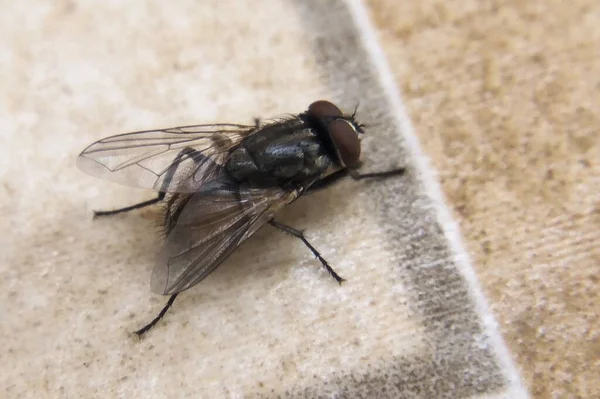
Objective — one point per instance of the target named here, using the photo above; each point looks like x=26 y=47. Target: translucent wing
x=213 y=222
x=179 y=159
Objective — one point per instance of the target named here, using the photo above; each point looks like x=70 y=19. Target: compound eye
x=345 y=140
x=324 y=109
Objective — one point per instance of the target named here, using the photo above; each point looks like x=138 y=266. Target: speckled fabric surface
x=504 y=96
x=409 y=322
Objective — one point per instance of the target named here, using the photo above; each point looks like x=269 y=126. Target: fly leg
x=299 y=234
x=148 y=326
x=328 y=180
x=186 y=152
x=340 y=174
x=161 y=196
x=388 y=173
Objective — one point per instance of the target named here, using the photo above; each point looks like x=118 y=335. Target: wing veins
x=209 y=241
x=143 y=158
x=190 y=270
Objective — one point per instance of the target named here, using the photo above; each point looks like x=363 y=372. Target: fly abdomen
x=241 y=166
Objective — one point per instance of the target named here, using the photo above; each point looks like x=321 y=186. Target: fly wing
x=179 y=159
x=213 y=222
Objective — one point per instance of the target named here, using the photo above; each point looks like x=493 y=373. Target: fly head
x=338 y=131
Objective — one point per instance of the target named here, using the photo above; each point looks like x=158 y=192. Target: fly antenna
x=355 y=109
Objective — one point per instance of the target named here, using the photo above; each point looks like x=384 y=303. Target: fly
x=222 y=182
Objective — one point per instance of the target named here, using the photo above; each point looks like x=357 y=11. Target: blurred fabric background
x=505 y=99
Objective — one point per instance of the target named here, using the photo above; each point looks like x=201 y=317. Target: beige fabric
x=410 y=321
x=505 y=97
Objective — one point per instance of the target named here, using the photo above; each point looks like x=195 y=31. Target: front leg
x=328 y=180
x=340 y=174
x=388 y=173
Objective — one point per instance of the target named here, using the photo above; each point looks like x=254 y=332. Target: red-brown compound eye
x=345 y=140
x=324 y=109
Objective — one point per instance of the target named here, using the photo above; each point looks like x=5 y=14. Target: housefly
x=221 y=182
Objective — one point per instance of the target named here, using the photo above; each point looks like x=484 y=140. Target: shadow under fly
x=221 y=182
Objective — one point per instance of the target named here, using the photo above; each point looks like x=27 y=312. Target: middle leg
x=299 y=234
